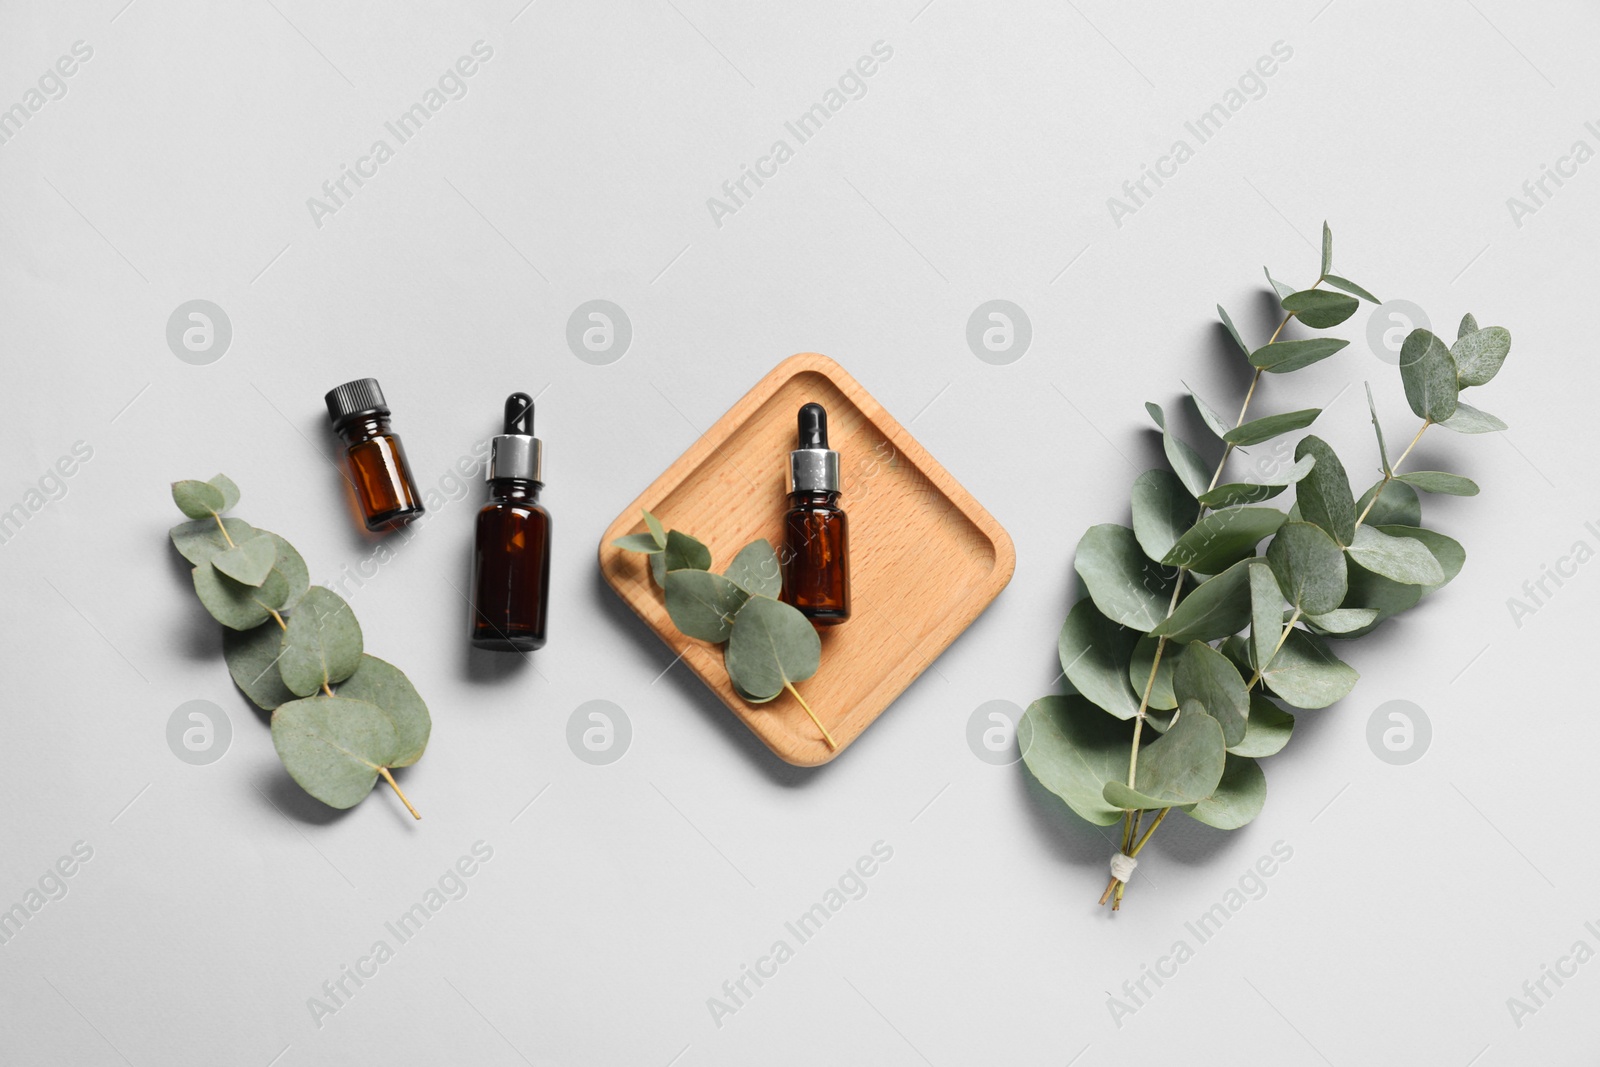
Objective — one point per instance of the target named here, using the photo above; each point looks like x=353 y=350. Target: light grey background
x=977 y=166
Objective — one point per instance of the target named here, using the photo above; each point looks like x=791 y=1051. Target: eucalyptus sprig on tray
x=1190 y=631
x=770 y=644
x=288 y=643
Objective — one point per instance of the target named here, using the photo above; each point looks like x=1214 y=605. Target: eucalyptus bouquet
x=1192 y=644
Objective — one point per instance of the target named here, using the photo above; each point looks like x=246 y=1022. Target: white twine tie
x=1122 y=866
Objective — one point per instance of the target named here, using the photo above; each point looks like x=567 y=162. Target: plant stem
x=393 y=785
x=1160 y=815
x=278 y=619
x=327 y=689
x=224 y=530
x=826 y=736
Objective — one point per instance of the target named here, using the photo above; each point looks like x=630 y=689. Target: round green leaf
x=1231 y=493
x=1350 y=287
x=1223 y=538
x=1342 y=620
x=1309 y=567
x=322 y=644
x=248 y=562
x=702 y=604
x=658 y=533
x=1469 y=419
x=252 y=658
x=1162 y=510
x=334 y=746
x=1267 y=730
x=1398 y=504
x=1144 y=654
x=293 y=568
x=1440 y=482
x=1428 y=373
x=1265 y=429
x=755 y=569
x=1217 y=607
x=1207 y=677
x=772 y=645
x=685 y=553
x=1306 y=674
x=1479 y=354
x=1127 y=586
x=1324 y=496
x=224 y=485
x=1182 y=766
x=1074 y=750
x=1186 y=462
x=1281 y=357
x=1094 y=656
x=1446 y=550
x=198 y=500
x=1373 y=592
x=235 y=605
x=386 y=687
x=1238 y=796
x=1319 y=308
x=1400 y=559
x=1468 y=325
x=1208 y=414
x=200 y=539
x=1266 y=609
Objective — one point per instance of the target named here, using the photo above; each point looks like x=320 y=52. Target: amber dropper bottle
x=816 y=558
x=511 y=560
x=373 y=454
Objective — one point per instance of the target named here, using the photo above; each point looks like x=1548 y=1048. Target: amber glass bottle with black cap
x=374 y=456
x=511 y=558
x=816 y=557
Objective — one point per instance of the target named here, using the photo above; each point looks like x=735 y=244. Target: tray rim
x=702 y=658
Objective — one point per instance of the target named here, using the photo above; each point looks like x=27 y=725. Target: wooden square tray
x=925 y=557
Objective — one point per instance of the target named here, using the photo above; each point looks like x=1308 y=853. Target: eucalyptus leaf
x=1238 y=797
x=287 y=562
x=755 y=569
x=1233 y=331
x=1186 y=462
x=1350 y=287
x=1218 y=607
x=658 y=533
x=224 y=485
x=385 y=686
x=1446 y=550
x=638 y=542
x=1074 y=750
x=1320 y=309
x=322 y=644
x=1182 y=766
x=1144 y=654
x=1400 y=559
x=1267 y=731
x=1324 y=495
x=1342 y=620
x=772 y=646
x=1397 y=503
x=1234 y=493
x=1468 y=325
x=1127 y=587
x=198 y=500
x=1266 y=608
x=1310 y=568
x=1223 y=538
x=1281 y=357
x=703 y=604
x=683 y=552
x=199 y=540
x=248 y=562
x=1373 y=592
x=234 y=604
x=1478 y=355
x=1327 y=251
x=1469 y=419
x=252 y=657
x=1305 y=674
x=1094 y=655
x=1428 y=373
x=1208 y=415
x=334 y=746
x=1162 y=510
x=1278 y=287
x=1265 y=429
x=1377 y=428
x=1440 y=482
x=1207 y=677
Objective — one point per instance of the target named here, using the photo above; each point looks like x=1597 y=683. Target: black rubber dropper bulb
x=519 y=414
x=813 y=426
